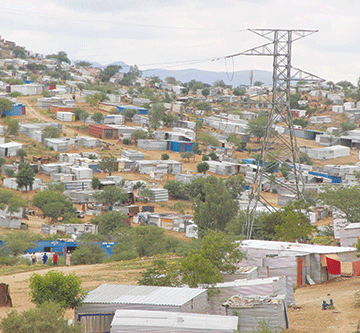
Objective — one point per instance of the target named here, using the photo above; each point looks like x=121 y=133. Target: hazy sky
x=188 y=33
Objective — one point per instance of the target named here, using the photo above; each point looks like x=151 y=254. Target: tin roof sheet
x=110 y=293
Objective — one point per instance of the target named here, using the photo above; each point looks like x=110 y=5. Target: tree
x=12 y=201
x=5 y=105
x=149 y=240
x=48 y=317
x=95 y=183
x=21 y=153
x=54 y=286
x=63 y=57
x=108 y=164
x=195 y=148
x=165 y=157
x=109 y=71
x=83 y=64
x=109 y=195
x=239 y=91
x=202 y=167
x=176 y=190
x=13 y=126
x=205 y=92
x=169 y=119
x=110 y=221
x=235 y=185
x=56 y=186
x=213 y=156
x=19 y=52
x=344 y=198
x=78 y=113
x=198 y=124
x=139 y=135
x=170 y=80
x=187 y=155
x=288 y=224
x=54 y=204
x=301 y=122
x=84 y=115
x=51 y=132
x=205 y=106
x=25 y=176
x=160 y=274
x=347 y=126
x=258 y=83
x=87 y=254
x=208 y=140
x=129 y=113
x=219 y=83
x=257 y=127
x=18 y=242
x=217 y=209
x=156 y=114
x=98 y=117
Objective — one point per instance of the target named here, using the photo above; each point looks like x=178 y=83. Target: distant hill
x=186 y=75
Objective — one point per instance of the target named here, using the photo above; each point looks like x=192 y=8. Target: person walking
x=68 y=258
x=33 y=258
x=55 y=259
x=45 y=258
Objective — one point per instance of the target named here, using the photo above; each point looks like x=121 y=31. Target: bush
x=88 y=254
x=202 y=167
x=187 y=155
x=176 y=190
x=213 y=156
x=205 y=158
x=127 y=141
x=165 y=156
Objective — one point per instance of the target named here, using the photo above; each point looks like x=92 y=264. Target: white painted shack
x=28 y=89
x=156 y=321
x=132 y=155
x=11 y=183
x=260 y=287
x=159 y=195
x=223 y=168
x=350 y=234
x=295 y=260
x=82 y=172
x=71 y=229
x=328 y=152
x=159 y=166
x=100 y=304
x=114 y=119
x=59 y=144
x=9 y=149
x=251 y=310
x=87 y=141
x=65 y=116
x=152 y=144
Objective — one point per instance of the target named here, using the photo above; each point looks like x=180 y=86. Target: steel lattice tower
x=279 y=48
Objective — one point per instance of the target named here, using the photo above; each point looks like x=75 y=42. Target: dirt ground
x=307 y=316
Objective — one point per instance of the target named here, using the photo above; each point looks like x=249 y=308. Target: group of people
x=55 y=258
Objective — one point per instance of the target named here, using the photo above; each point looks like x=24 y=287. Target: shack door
x=299 y=281
x=182 y=147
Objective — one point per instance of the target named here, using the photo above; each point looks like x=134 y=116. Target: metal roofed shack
x=101 y=303
x=156 y=321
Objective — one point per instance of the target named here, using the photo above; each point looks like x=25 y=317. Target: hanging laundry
x=333 y=266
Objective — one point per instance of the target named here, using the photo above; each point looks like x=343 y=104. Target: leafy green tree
x=125 y=249
x=108 y=164
x=150 y=240
x=54 y=204
x=18 y=242
x=239 y=92
x=5 y=105
x=87 y=254
x=217 y=209
x=195 y=148
x=156 y=114
x=21 y=153
x=205 y=158
x=304 y=158
x=196 y=187
x=257 y=127
x=51 y=132
x=139 y=135
x=160 y=274
x=109 y=195
x=78 y=113
x=169 y=119
x=344 y=198
x=84 y=115
x=12 y=201
x=347 y=126
x=208 y=140
x=235 y=185
x=109 y=222
x=187 y=155
x=83 y=64
x=54 y=286
x=19 y=52
x=301 y=122
x=213 y=156
x=56 y=186
x=13 y=126
x=48 y=317
x=2 y=162
x=165 y=157
x=109 y=71
x=202 y=167
x=205 y=92
x=288 y=224
x=198 y=125
x=95 y=183
x=176 y=190
x=25 y=176
x=129 y=113
x=10 y=173
x=98 y=117
x=204 y=106
x=63 y=57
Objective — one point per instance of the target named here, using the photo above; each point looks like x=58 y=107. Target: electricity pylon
x=279 y=47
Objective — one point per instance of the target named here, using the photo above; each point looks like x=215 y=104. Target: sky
x=180 y=34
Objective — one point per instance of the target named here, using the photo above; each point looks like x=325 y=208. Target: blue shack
x=138 y=109
x=180 y=146
x=17 y=110
x=65 y=245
